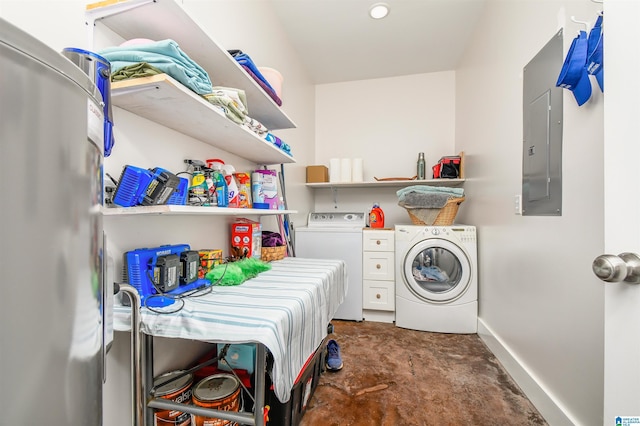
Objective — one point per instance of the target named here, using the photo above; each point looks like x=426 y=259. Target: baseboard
x=378 y=316
x=539 y=397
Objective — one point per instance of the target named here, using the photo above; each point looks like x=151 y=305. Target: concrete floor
x=394 y=376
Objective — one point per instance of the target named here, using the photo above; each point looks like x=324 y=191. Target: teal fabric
x=165 y=55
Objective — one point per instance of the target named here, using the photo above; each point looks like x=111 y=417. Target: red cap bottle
x=376 y=217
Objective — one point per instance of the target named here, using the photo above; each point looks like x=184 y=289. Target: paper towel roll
x=345 y=170
x=357 y=174
x=334 y=170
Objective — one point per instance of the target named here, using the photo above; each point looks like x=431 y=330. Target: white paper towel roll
x=357 y=174
x=334 y=170
x=345 y=170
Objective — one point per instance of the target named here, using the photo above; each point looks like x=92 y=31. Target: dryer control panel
x=337 y=220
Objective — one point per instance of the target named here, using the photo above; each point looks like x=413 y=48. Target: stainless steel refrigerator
x=51 y=262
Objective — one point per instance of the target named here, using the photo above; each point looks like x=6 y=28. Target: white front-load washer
x=437 y=278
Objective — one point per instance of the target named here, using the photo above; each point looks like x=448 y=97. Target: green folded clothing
x=141 y=69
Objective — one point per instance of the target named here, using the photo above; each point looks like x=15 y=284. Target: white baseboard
x=379 y=316
x=535 y=392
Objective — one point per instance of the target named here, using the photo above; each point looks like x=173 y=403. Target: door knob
x=612 y=269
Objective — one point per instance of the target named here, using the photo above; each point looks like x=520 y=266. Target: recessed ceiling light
x=379 y=11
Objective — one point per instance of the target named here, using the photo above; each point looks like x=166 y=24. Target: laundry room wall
x=386 y=122
x=140 y=142
x=541 y=307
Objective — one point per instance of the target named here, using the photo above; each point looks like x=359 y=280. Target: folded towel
x=230 y=102
x=425 y=189
x=267 y=89
x=238 y=95
x=278 y=142
x=255 y=126
x=246 y=61
x=164 y=55
x=432 y=200
x=141 y=69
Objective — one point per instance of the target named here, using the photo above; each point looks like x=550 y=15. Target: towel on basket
x=425 y=196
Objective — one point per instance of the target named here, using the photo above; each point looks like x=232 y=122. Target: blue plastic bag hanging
x=573 y=75
x=595 y=56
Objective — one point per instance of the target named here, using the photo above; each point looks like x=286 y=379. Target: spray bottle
x=217 y=175
x=376 y=217
x=198 y=191
x=222 y=190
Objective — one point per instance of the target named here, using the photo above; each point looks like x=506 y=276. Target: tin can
x=220 y=392
x=178 y=390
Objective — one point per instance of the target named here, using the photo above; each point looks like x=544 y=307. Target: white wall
x=386 y=122
x=541 y=308
x=232 y=24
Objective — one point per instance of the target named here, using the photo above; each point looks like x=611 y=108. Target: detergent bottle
x=228 y=170
x=376 y=217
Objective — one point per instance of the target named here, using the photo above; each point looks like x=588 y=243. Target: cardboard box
x=239 y=357
x=317 y=174
x=208 y=259
x=246 y=239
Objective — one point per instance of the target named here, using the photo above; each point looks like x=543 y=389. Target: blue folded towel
x=165 y=55
x=244 y=59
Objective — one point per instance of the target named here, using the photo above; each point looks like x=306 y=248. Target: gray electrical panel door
x=542 y=132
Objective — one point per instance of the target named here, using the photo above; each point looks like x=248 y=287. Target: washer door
x=437 y=270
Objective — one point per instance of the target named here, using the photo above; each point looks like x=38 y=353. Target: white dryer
x=437 y=278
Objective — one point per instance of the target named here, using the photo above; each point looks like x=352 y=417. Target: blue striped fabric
x=286 y=308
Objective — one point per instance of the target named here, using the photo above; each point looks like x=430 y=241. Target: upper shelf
x=165 y=19
x=164 y=100
x=174 y=210
x=389 y=183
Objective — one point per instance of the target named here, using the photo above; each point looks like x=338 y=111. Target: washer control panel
x=337 y=220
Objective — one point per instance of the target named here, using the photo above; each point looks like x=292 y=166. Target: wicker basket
x=273 y=253
x=436 y=217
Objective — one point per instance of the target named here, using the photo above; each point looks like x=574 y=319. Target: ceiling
x=337 y=40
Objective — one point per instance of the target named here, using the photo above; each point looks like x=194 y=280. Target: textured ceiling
x=338 y=41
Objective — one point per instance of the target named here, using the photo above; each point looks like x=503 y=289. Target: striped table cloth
x=287 y=309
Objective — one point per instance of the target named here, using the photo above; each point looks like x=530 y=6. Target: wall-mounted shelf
x=166 y=19
x=388 y=183
x=174 y=210
x=164 y=100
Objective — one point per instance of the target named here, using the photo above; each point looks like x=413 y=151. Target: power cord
x=196 y=292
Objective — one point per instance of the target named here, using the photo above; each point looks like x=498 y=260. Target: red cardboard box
x=246 y=239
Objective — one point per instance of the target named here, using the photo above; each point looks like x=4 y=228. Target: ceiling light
x=379 y=11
